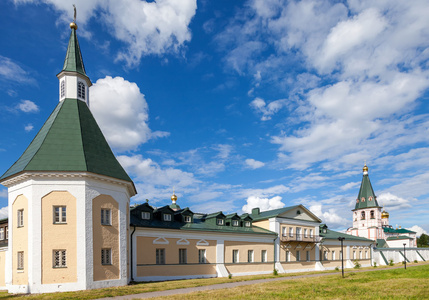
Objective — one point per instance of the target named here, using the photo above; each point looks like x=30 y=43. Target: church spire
x=74 y=82
x=366 y=197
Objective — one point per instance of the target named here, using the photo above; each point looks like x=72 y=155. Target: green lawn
x=412 y=283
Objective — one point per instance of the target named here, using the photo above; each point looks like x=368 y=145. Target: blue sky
x=237 y=104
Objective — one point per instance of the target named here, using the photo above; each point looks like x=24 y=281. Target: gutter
x=131 y=250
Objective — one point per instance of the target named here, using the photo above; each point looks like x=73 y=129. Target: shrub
x=391 y=262
x=336 y=269
x=229 y=276
x=375 y=264
x=275 y=272
x=415 y=261
x=403 y=262
x=357 y=264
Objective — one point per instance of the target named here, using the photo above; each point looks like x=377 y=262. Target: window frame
x=220 y=222
x=202 y=256
x=2 y=233
x=264 y=256
x=145 y=215
x=160 y=256
x=287 y=258
x=187 y=219
x=235 y=256
x=81 y=90
x=247 y=224
x=62 y=89
x=20 y=262
x=62 y=258
x=291 y=231
x=106 y=216
x=298 y=255
x=250 y=256
x=20 y=218
x=106 y=256
x=307 y=255
x=62 y=214
x=166 y=217
x=183 y=256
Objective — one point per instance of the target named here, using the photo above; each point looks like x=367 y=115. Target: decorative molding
x=182 y=242
x=160 y=241
x=202 y=243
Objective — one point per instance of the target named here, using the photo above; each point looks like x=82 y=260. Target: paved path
x=235 y=284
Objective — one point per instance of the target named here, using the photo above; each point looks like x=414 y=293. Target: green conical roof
x=74 y=61
x=70 y=140
x=366 y=197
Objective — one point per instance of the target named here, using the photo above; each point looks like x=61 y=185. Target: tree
x=423 y=241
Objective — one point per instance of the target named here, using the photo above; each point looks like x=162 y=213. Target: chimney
x=255 y=211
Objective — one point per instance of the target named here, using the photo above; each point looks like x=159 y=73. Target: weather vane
x=74 y=7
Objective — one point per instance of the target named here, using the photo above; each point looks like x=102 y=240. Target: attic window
x=167 y=217
x=235 y=223
x=247 y=224
x=62 y=89
x=298 y=212
x=81 y=90
x=219 y=222
x=145 y=215
x=187 y=219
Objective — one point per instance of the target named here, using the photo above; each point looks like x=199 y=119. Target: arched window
x=372 y=214
x=362 y=215
x=63 y=89
x=81 y=90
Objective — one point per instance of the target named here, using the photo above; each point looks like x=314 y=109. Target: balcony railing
x=299 y=238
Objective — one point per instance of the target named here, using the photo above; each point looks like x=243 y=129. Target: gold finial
x=174 y=197
x=73 y=24
x=365 y=168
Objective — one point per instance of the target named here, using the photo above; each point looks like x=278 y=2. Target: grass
x=412 y=283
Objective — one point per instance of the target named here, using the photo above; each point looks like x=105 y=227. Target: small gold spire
x=365 y=168
x=174 y=197
x=73 y=24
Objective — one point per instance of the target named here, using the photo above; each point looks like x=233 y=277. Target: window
x=183 y=256
x=160 y=256
x=360 y=254
x=20 y=257
x=20 y=218
x=7 y=232
x=354 y=254
x=305 y=232
x=60 y=214
x=59 y=258
x=341 y=254
x=247 y=224
x=284 y=231
x=106 y=217
x=219 y=222
x=264 y=256
x=106 y=256
x=63 y=89
x=290 y=231
x=333 y=255
x=235 y=223
x=202 y=256
x=167 y=217
x=307 y=255
x=2 y=233
x=250 y=256
x=188 y=219
x=235 y=256
x=298 y=234
x=311 y=233
x=298 y=255
x=325 y=255
x=372 y=216
x=366 y=254
x=81 y=90
x=145 y=215
x=287 y=256
x=362 y=215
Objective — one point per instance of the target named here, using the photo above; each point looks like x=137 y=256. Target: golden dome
x=73 y=25
x=174 y=198
x=384 y=215
x=365 y=168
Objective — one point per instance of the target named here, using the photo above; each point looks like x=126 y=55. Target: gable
x=300 y=213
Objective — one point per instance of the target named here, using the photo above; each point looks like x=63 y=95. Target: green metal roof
x=73 y=61
x=400 y=237
x=333 y=235
x=366 y=197
x=70 y=140
x=401 y=230
x=270 y=213
x=382 y=243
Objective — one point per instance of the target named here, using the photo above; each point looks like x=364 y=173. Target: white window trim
x=202 y=259
x=106 y=216
x=62 y=258
x=187 y=219
x=61 y=218
x=183 y=256
x=20 y=258
x=166 y=217
x=250 y=256
x=247 y=223
x=160 y=256
x=235 y=258
x=235 y=223
x=220 y=222
x=263 y=255
x=20 y=218
x=145 y=215
x=2 y=233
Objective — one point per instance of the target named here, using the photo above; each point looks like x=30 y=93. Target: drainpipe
x=131 y=250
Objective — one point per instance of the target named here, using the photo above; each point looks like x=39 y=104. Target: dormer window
x=247 y=224
x=187 y=219
x=362 y=215
x=62 y=89
x=235 y=223
x=298 y=212
x=167 y=217
x=219 y=222
x=145 y=215
x=81 y=90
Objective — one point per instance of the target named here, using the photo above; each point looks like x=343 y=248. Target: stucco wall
x=105 y=237
x=250 y=268
x=58 y=237
x=243 y=248
x=2 y=267
x=20 y=241
x=292 y=247
x=176 y=270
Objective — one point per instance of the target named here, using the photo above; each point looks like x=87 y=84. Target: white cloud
x=3 y=193
x=122 y=113
x=146 y=27
x=331 y=216
x=269 y=110
x=29 y=127
x=392 y=202
x=11 y=71
x=350 y=185
x=263 y=203
x=418 y=230
x=4 y=212
x=254 y=164
x=27 y=106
